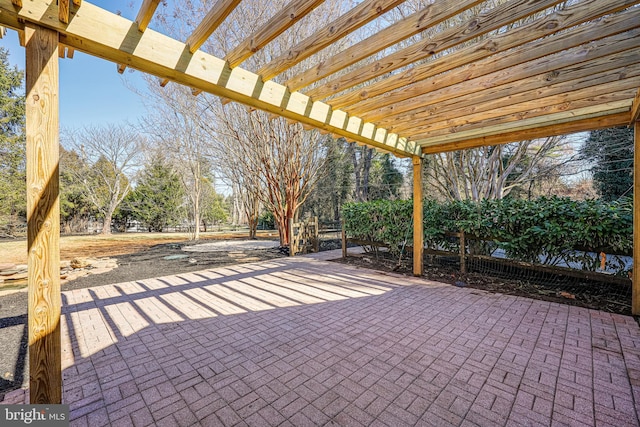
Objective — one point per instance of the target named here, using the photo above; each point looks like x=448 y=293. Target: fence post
x=463 y=258
x=292 y=246
x=344 y=241
x=316 y=242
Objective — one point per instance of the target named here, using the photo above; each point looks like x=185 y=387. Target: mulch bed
x=598 y=296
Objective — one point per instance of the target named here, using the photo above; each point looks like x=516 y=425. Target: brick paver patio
x=297 y=342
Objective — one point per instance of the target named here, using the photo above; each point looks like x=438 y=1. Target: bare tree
x=174 y=128
x=110 y=153
x=494 y=172
x=275 y=162
x=266 y=159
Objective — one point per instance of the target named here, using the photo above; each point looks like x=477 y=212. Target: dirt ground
x=15 y=251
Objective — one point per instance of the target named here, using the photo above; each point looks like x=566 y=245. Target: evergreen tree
x=75 y=207
x=385 y=180
x=611 y=153
x=214 y=207
x=12 y=147
x=335 y=185
x=158 y=198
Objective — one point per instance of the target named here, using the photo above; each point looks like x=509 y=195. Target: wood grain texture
x=418 y=237
x=532 y=122
x=357 y=17
x=568 y=102
x=495 y=53
x=617 y=119
x=277 y=25
x=635 y=110
x=147 y=9
x=493 y=19
x=600 y=71
x=428 y=17
x=64 y=10
x=43 y=215
x=635 y=292
x=560 y=98
x=216 y=15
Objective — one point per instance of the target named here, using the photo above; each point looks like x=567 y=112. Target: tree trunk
x=253 y=226
x=283 y=229
x=106 y=227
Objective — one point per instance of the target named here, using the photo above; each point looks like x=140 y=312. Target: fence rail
x=464 y=258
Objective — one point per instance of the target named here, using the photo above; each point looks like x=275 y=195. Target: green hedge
x=551 y=227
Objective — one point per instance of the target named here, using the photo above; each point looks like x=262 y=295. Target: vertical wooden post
x=463 y=254
x=43 y=215
x=635 y=294
x=292 y=246
x=344 y=241
x=316 y=240
x=418 y=238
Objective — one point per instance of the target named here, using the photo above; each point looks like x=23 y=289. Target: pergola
x=520 y=70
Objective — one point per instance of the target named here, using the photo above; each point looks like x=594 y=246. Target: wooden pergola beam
x=479 y=60
x=581 y=125
x=43 y=215
x=559 y=97
x=147 y=9
x=635 y=109
x=109 y=36
x=211 y=21
x=568 y=103
x=532 y=123
x=277 y=25
x=617 y=67
x=495 y=18
x=635 y=291
x=356 y=18
x=431 y=15
x=64 y=10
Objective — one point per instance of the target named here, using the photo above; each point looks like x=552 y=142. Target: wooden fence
x=303 y=237
x=465 y=257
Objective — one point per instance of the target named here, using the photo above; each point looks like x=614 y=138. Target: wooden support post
x=344 y=241
x=418 y=238
x=292 y=246
x=463 y=253
x=43 y=215
x=635 y=294
x=316 y=241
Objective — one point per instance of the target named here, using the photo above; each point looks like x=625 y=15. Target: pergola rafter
x=509 y=50
x=282 y=21
x=357 y=17
x=475 y=27
x=211 y=21
x=520 y=70
x=147 y=9
x=420 y=21
x=553 y=129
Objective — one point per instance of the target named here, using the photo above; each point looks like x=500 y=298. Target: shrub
x=549 y=230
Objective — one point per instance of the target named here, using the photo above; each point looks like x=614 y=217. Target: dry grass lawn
x=15 y=251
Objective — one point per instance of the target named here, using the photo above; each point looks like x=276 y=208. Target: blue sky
x=91 y=90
